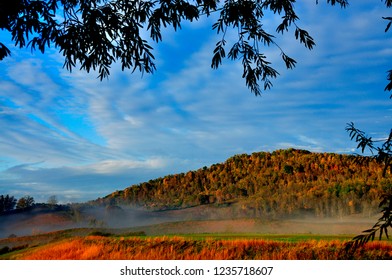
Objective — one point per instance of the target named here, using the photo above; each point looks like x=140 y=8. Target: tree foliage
x=25 y=202
x=281 y=183
x=381 y=153
x=381 y=149
x=95 y=34
x=7 y=203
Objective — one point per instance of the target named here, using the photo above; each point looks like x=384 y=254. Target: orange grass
x=180 y=248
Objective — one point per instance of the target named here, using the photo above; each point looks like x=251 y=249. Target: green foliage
x=288 y=169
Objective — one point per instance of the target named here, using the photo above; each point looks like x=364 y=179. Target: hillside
x=263 y=184
x=36 y=219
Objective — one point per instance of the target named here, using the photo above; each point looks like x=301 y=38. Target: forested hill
x=263 y=183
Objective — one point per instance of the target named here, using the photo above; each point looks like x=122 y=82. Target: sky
x=79 y=138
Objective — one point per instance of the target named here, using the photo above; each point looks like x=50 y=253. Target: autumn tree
x=24 y=202
x=95 y=34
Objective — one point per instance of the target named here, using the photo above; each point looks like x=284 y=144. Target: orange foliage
x=285 y=180
x=179 y=248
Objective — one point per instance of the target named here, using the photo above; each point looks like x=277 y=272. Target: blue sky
x=73 y=136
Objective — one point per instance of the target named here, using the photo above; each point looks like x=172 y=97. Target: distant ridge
x=268 y=184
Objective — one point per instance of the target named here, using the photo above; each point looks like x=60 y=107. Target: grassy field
x=189 y=248
x=93 y=244
x=220 y=239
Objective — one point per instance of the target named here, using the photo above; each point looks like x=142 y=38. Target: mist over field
x=200 y=219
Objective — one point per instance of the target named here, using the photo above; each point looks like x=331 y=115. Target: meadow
x=90 y=244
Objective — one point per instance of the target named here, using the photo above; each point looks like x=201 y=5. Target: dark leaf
x=389 y=85
x=4 y=51
x=290 y=63
x=388 y=26
x=219 y=53
x=304 y=38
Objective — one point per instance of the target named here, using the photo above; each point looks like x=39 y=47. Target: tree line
x=9 y=202
x=269 y=184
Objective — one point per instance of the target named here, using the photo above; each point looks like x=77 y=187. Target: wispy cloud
x=82 y=181
x=77 y=137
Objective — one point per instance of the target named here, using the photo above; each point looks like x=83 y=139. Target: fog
x=200 y=219
x=42 y=219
